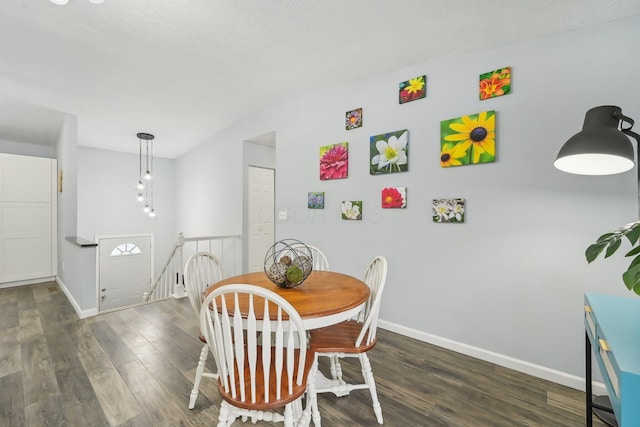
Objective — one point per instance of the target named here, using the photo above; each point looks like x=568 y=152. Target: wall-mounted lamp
x=602 y=147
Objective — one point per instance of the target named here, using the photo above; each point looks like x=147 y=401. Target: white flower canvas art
x=352 y=210
x=389 y=152
x=448 y=210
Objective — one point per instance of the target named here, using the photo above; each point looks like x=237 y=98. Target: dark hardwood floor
x=135 y=367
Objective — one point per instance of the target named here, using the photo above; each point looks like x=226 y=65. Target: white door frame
x=118 y=236
x=249 y=168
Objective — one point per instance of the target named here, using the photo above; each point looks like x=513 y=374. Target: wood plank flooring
x=135 y=367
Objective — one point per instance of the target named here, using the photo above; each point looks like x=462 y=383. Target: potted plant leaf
x=610 y=242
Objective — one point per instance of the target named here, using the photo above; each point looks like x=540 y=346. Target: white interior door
x=124 y=270
x=27 y=218
x=261 y=215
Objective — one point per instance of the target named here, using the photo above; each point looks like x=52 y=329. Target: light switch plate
x=282 y=215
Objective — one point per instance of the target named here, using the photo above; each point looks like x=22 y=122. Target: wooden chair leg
x=224 y=415
x=333 y=359
x=199 y=371
x=288 y=416
x=337 y=367
x=367 y=373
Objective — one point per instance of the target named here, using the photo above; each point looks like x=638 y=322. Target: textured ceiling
x=185 y=69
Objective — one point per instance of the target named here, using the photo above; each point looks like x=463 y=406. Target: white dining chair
x=320 y=262
x=201 y=270
x=354 y=338
x=261 y=368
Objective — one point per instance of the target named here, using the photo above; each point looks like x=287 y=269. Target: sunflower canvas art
x=389 y=152
x=412 y=89
x=315 y=200
x=353 y=119
x=334 y=161
x=352 y=210
x=495 y=83
x=468 y=139
x=448 y=210
x=394 y=197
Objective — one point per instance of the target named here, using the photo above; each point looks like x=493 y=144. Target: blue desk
x=612 y=327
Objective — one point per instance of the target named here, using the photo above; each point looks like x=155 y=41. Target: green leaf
x=635 y=262
x=633 y=251
x=613 y=247
x=593 y=251
x=631 y=277
x=606 y=237
x=633 y=234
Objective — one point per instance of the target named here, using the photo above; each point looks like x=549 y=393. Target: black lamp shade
x=600 y=148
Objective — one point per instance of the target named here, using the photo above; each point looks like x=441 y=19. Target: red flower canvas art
x=394 y=197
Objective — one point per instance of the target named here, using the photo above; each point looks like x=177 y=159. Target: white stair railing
x=228 y=249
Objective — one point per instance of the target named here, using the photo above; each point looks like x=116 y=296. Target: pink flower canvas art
x=334 y=161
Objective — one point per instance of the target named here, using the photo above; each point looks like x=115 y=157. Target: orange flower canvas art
x=495 y=83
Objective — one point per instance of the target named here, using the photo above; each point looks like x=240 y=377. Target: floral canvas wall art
x=353 y=119
x=334 y=161
x=352 y=210
x=389 y=152
x=468 y=139
x=495 y=83
x=394 y=197
x=448 y=210
x=315 y=200
x=412 y=89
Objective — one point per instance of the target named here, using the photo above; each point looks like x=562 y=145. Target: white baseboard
x=81 y=313
x=26 y=282
x=545 y=373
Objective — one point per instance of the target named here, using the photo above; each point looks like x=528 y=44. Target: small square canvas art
x=352 y=210
x=468 y=139
x=495 y=83
x=353 y=119
x=448 y=210
x=389 y=152
x=334 y=161
x=412 y=89
x=394 y=197
x=315 y=200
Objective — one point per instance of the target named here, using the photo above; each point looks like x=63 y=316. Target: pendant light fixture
x=145 y=179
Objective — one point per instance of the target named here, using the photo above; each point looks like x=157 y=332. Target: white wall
x=24 y=149
x=107 y=199
x=209 y=179
x=508 y=284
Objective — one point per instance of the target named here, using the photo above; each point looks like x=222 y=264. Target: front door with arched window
x=124 y=270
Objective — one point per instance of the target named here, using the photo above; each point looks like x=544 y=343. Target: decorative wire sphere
x=288 y=263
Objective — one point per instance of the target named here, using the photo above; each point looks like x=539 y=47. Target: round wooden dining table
x=324 y=298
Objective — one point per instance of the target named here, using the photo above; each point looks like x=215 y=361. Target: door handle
x=104 y=289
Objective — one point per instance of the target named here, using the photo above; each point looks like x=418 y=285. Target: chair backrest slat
x=238 y=345
x=375 y=277
x=252 y=346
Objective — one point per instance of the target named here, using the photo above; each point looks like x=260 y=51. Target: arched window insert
x=125 y=249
